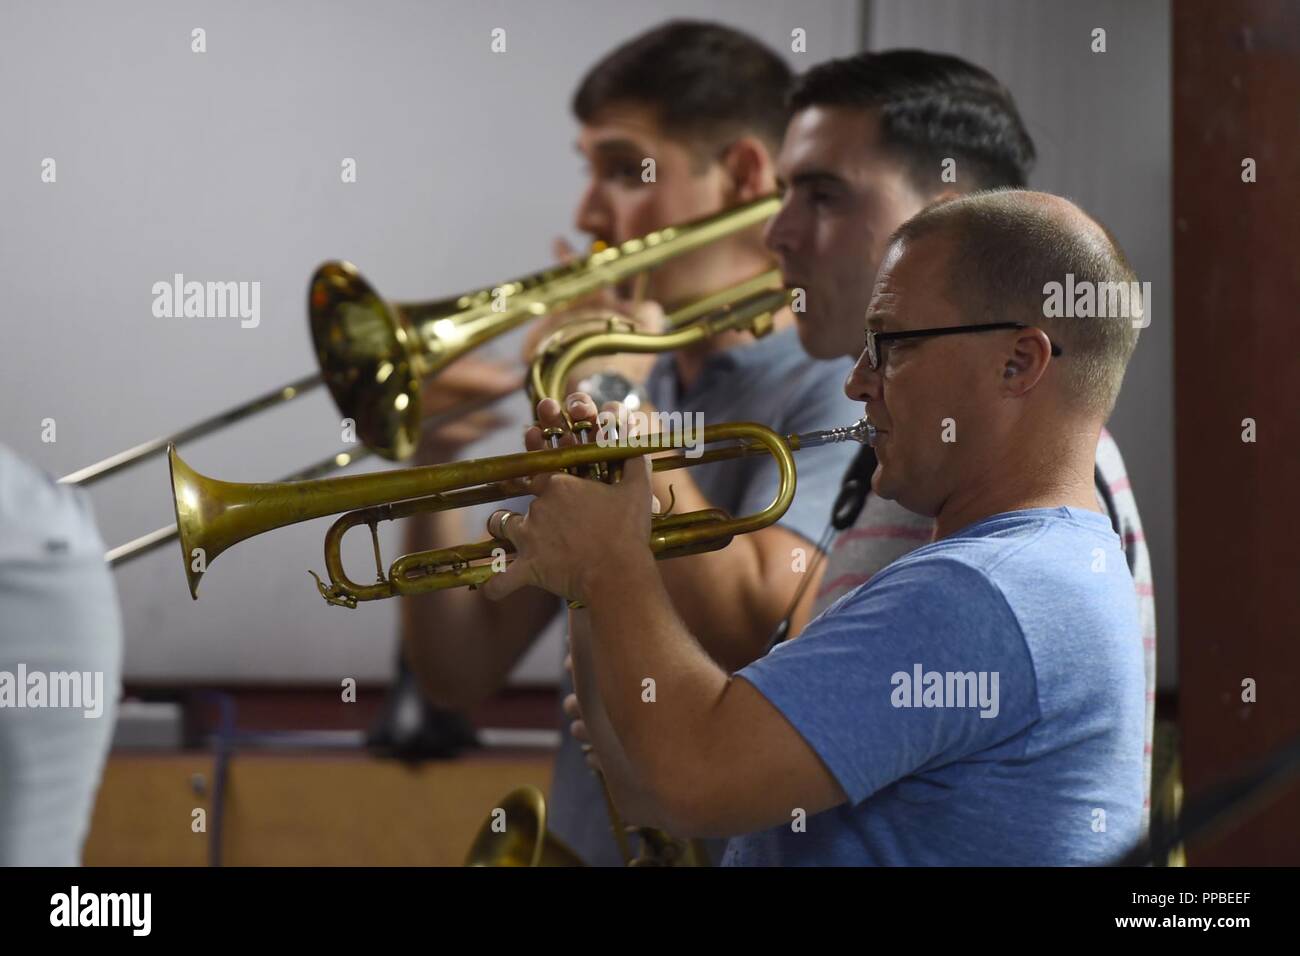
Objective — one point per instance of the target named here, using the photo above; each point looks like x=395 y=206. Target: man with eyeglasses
x=979 y=701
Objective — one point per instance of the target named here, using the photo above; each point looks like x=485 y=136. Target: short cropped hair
x=707 y=84
x=1007 y=248
x=932 y=107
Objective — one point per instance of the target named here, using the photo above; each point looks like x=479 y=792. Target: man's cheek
x=645 y=214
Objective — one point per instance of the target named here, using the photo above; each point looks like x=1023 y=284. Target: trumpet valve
x=597 y=471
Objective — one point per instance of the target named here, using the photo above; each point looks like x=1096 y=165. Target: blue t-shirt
x=980 y=701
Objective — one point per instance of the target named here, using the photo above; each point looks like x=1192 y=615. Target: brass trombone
x=373 y=355
x=214 y=515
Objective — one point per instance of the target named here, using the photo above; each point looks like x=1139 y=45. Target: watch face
x=605 y=387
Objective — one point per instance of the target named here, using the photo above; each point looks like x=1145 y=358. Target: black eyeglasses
x=877 y=340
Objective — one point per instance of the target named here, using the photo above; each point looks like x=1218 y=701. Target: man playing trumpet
x=978 y=701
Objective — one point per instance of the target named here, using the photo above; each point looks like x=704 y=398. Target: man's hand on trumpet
x=575 y=525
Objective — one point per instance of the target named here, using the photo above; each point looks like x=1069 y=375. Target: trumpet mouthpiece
x=861 y=431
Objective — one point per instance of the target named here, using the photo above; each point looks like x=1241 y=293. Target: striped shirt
x=885 y=531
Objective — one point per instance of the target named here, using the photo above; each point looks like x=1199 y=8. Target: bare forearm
x=657 y=685
x=730 y=599
x=718 y=597
x=460 y=645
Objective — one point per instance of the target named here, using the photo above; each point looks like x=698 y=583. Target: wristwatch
x=613 y=387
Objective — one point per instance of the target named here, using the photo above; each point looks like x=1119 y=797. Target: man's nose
x=864 y=382
x=592 y=216
x=777 y=232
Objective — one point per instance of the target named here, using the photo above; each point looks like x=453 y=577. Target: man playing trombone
x=706 y=104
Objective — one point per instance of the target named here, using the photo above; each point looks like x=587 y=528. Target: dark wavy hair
x=932 y=106
x=706 y=83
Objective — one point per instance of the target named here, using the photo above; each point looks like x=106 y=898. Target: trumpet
x=213 y=515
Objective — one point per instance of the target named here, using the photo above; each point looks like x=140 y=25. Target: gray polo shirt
x=770 y=381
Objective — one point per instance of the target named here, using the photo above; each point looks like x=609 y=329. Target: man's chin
x=883 y=486
x=813 y=338
x=880 y=487
x=883 y=483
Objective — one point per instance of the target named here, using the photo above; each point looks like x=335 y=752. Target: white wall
x=1102 y=125
x=225 y=166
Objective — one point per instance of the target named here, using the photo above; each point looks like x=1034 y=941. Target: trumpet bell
x=193 y=505
x=521 y=839
x=368 y=355
x=213 y=515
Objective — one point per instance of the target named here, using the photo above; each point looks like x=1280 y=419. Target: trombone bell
x=367 y=352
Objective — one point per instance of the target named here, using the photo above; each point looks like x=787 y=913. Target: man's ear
x=749 y=170
x=1024 y=365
